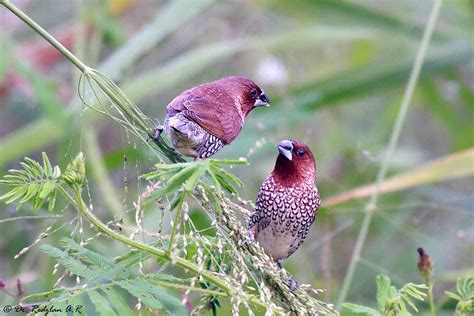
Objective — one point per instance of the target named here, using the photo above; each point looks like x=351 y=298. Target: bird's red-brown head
x=246 y=93
x=295 y=164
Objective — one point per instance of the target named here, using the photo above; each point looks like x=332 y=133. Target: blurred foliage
x=464 y=296
x=390 y=300
x=335 y=71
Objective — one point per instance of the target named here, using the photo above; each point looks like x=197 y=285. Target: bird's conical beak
x=262 y=100
x=285 y=147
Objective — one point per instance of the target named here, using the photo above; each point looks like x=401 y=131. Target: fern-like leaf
x=109 y=269
x=187 y=176
x=361 y=310
x=118 y=302
x=138 y=290
x=35 y=183
x=391 y=301
x=101 y=304
x=72 y=264
x=464 y=296
x=153 y=296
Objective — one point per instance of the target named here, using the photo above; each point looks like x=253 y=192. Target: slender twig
x=189 y=288
x=430 y=298
x=371 y=206
x=6 y=220
x=176 y=222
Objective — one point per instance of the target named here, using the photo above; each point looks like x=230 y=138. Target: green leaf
x=178 y=200
x=383 y=290
x=73 y=265
x=10 y=194
x=179 y=179
x=52 y=200
x=403 y=309
x=193 y=180
x=46 y=190
x=42 y=296
x=32 y=165
x=407 y=299
x=32 y=190
x=214 y=180
x=228 y=176
x=35 y=183
x=241 y=161
x=18 y=193
x=173 y=304
x=414 y=290
x=224 y=183
x=77 y=305
x=359 y=309
x=167 y=277
x=118 y=302
x=37 y=202
x=140 y=290
x=453 y=296
x=168 y=166
x=459 y=286
x=48 y=169
x=101 y=304
x=109 y=269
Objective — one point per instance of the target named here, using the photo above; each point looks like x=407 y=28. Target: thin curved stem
x=176 y=222
x=430 y=298
x=12 y=219
x=63 y=50
x=372 y=205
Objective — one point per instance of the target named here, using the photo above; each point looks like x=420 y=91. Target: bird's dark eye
x=253 y=92
x=300 y=152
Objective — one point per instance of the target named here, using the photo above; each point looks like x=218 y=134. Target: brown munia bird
x=287 y=203
x=202 y=120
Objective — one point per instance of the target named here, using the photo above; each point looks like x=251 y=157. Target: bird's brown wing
x=215 y=113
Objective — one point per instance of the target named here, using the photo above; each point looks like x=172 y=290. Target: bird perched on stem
x=287 y=203
x=202 y=120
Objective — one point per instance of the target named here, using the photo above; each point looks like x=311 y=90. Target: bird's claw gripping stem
x=280 y=263
x=249 y=238
x=293 y=284
x=158 y=130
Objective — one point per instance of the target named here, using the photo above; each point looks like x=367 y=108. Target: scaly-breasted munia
x=202 y=120
x=287 y=202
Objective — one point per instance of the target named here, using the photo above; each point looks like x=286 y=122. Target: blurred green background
x=335 y=72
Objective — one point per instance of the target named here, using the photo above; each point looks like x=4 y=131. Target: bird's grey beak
x=285 y=147
x=262 y=100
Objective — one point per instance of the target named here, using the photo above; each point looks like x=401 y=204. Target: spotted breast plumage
x=287 y=202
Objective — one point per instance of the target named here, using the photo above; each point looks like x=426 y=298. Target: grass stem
x=372 y=204
x=430 y=298
x=176 y=222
